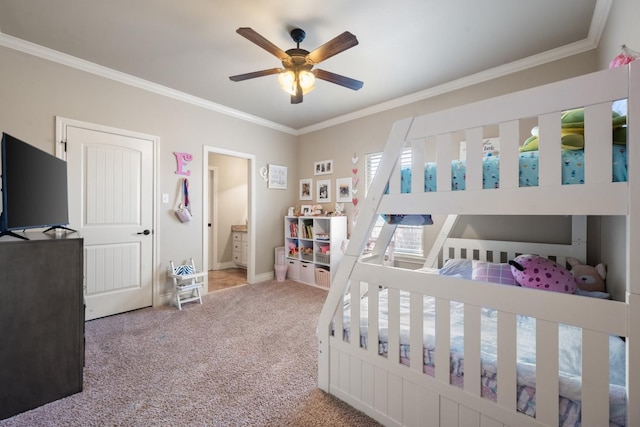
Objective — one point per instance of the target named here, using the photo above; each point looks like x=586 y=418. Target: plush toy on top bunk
x=572 y=122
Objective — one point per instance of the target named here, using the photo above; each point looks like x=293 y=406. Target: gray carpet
x=247 y=356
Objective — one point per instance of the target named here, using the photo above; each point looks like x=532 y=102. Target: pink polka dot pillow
x=532 y=271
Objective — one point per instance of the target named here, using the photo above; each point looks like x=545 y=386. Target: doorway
x=228 y=195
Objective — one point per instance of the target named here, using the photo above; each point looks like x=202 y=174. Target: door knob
x=145 y=232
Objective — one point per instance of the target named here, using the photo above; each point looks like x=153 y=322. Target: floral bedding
x=570 y=362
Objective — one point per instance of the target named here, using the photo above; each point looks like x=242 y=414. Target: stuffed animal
x=293 y=249
x=533 y=271
x=572 y=133
x=588 y=278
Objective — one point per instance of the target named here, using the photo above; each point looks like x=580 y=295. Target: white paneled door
x=110 y=180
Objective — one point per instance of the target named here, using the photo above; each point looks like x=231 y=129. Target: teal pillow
x=407 y=219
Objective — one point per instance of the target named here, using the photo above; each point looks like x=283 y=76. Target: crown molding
x=109 y=73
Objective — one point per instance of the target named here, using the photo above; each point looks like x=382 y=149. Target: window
x=407 y=239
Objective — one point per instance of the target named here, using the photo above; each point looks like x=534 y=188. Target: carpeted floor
x=246 y=357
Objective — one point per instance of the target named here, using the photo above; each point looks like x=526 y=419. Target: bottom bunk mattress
x=572 y=170
x=570 y=360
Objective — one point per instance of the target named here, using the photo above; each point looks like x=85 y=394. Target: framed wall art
x=324 y=167
x=323 y=193
x=343 y=190
x=306 y=189
x=278 y=177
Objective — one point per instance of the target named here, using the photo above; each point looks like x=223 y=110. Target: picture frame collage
x=323 y=187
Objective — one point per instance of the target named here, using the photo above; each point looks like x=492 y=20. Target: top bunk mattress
x=573 y=162
x=572 y=156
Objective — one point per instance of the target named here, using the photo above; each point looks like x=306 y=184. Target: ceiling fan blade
x=333 y=47
x=253 y=75
x=338 y=79
x=256 y=38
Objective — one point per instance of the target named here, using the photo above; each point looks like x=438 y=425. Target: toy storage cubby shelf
x=313 y=247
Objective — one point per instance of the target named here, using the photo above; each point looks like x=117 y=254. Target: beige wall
x=34 y=91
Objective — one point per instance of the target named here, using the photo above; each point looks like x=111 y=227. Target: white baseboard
x=265 y=277
x=225 y=265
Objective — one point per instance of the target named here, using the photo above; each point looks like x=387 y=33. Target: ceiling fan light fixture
x=295 y=76
x=287 y=81
x=307 y=81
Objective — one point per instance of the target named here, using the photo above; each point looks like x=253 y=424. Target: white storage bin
x=281 y=271
x=307 y=273
x=279 y=255
x=293 y=269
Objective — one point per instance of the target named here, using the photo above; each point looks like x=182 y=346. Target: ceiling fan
x=297 y=77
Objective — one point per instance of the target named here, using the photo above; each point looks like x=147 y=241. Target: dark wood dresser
x=41 y=320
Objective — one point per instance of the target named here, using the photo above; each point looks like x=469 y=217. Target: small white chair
x=187 y=283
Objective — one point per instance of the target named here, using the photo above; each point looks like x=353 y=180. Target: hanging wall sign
x=183 y=160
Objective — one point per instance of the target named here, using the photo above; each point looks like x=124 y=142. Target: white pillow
x=457 y=267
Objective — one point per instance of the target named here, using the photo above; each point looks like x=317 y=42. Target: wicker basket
x=306 y=257
x=323 y=258
x=323 y=278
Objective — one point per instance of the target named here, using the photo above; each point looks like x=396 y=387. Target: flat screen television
x=34 y=188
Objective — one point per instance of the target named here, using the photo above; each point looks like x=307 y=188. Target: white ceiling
x=406 y=47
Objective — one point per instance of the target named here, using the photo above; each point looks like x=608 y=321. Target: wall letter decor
x=183 y=159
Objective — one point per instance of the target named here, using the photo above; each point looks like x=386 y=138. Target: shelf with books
x=313 y=245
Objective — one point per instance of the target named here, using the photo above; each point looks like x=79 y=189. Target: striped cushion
x=184 y=270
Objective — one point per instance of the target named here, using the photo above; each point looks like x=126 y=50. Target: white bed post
x=388 y=230
x=362 y=231
x=383 y=241
x=434 y=254
x=633 y=247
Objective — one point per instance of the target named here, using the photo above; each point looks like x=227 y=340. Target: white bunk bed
x=394 y=387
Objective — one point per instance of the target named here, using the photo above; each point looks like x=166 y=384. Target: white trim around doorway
x=251 y=220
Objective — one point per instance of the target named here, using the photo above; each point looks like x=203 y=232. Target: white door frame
x=251 y=208
x=61 y=122
x=213 y=211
